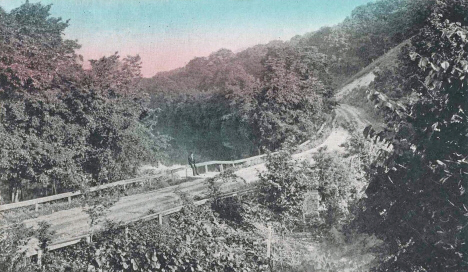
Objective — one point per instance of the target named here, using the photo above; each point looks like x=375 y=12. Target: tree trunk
x=18 y=194
x=15 y=194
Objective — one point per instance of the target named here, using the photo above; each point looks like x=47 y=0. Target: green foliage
x=377 y=27
x=33 y=54
x=341 y=254
x=206 y=123
x=229 y=105
x=283 y=186
x=416 y=199
x=339 y=182
x=368 y=33
x=192 y=240
x=291 y=101
x=79 y=138
x=233 y=105
x=339 y=187
x=229 y=209
x=63 y=127
x=12 y=240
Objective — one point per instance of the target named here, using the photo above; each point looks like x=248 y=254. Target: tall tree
x=33 y=53
x=291 y=100
x=64 y=127
x=417 y=196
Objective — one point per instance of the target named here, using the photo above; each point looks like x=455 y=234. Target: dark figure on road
x=191 y=161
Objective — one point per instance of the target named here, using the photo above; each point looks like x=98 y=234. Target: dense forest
x=395 y=200
x=258 y=98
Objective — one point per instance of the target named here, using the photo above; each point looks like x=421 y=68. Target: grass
x=358 y=98
x=386 y=60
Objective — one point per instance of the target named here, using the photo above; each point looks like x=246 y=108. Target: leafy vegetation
x=416 y=199
x=258 y=98
x=223 y=108
x=63 y=127
x=192 y=240
x=225 y=235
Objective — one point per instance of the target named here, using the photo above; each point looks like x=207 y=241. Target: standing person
x=191 y=161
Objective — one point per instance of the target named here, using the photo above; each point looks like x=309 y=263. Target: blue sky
x=168 y=33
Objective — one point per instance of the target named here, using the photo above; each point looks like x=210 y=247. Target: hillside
x=231 y=93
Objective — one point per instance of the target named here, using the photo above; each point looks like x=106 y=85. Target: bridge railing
x=220 y=164
x=35 y=202
x=159 y=216
x=219 y=167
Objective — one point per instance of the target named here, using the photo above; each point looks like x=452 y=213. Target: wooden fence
x=159 y=216
x=206 y=166
x=69 y=195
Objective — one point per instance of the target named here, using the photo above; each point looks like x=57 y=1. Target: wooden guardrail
x=160 y=215
x=255 y=160
x=35 y=202
x=69 y=195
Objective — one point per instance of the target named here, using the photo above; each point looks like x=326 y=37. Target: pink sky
x=167 y=34
x=173 y=52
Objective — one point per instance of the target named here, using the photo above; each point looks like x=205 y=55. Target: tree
x=283 y=187
x=63 y=127
x=291 y=100
x=33 y=54
x=416 y=198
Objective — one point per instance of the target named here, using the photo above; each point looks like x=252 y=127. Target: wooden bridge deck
x=72 y=224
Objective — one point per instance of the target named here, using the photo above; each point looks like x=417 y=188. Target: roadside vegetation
x=394 y=200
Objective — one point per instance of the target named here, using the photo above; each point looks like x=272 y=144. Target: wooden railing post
x=269 y=242
x=39 y=257
x=221 y=168
x=160 y=219
x=36 y=207
x=69 y=200
x=206 y=168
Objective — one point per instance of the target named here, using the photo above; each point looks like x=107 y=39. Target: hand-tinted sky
x=168 y=33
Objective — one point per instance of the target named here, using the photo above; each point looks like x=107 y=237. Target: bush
x=283 y=187
x=192 y=240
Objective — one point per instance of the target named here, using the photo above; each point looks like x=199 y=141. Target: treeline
x=231 y=105
x=63 y=127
